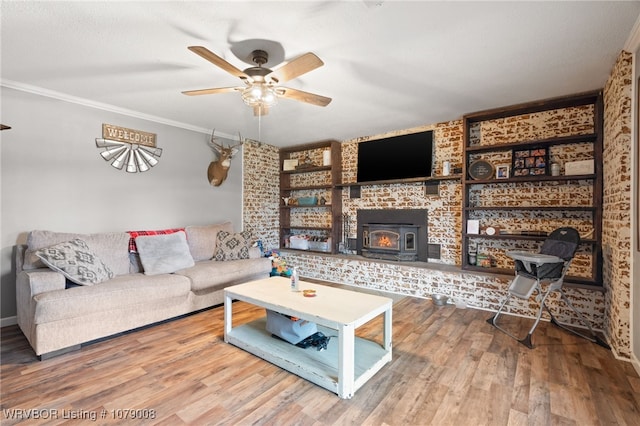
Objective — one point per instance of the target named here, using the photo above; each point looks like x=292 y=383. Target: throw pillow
x=230 y=246
x=164 y=254
x=76 y=262
x=202 y=239
x=110 y=247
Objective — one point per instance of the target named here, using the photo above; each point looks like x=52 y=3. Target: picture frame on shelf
x=530 y=162
x=481 y=170
x=502 y=172
x=289 y=165
x=473 y=226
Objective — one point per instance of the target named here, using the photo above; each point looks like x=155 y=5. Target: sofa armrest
x=40 y=281
x=28 y=284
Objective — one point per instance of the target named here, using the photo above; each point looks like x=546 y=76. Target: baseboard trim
x=5 y=322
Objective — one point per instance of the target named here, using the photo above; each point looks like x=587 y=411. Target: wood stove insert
x=390 y=241
x=398 y=235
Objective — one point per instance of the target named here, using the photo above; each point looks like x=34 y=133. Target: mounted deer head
x=217 y=172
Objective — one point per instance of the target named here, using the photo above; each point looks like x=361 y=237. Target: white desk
x=346 y=364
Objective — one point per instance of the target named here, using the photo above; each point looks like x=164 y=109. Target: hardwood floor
x=449 y=368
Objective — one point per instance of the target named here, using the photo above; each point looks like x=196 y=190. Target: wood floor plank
x=520 y=394
x=449 y=368
x=517 y=418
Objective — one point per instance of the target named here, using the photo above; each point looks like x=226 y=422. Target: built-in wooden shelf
x=472 y=188
x=304 y=188
x=332 y=174
x=533 y=208
x=313 y=206
x=566 y=140
x=306 y=170
x=308 y=228
x=409 y=180
x=520 y=179
x=521 y=237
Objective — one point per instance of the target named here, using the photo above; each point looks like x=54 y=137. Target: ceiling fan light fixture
x=262 y=90
x=259 y=94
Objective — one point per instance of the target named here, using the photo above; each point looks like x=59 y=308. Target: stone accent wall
x=261 y=191
x=444 y=210
x=474 y=289
x=534 y=126
x=616 y=205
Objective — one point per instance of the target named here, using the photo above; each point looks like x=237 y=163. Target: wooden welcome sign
x=122 y=134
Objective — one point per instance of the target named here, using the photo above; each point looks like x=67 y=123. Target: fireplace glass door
x=396 y=242
x=384 y=239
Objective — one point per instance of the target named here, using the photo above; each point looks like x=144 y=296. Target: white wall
x=54 y=178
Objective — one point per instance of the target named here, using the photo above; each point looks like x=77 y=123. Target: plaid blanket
x=134 y=234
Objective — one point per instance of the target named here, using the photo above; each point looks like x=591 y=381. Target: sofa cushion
x=210 y=274
x=164 y=254
x=202 y=239
x=75 y=260
x=231 y=246
x=124 y=290
x=135 y=234
x=110 y=247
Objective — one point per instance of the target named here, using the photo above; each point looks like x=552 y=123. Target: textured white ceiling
x=389 y=65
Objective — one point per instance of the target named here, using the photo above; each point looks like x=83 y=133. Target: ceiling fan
x=261 y=90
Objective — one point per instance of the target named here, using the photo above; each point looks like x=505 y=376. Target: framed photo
x=481 y=169
x=529 y=162
x=289 y=165
x=473 y=226
x=502 y=172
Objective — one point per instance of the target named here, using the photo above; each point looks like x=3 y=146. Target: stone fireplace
x=399 y=235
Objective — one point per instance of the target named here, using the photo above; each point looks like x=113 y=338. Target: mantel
x=395 y=181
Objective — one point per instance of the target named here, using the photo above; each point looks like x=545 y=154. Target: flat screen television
x=397 y=157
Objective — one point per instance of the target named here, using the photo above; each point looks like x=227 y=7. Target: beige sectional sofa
x=56 y=314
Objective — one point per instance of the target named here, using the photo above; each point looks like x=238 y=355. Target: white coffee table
x=348 y=362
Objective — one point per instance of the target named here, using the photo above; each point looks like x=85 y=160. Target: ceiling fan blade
x=217 y=60
x=302 y=96
x=295 y=68
x=211 y=91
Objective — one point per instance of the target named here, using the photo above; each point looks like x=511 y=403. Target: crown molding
x=633 y=41
x=105 y=107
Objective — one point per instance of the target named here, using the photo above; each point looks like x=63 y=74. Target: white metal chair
x=548 y=266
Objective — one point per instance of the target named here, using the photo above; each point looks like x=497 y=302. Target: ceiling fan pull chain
x=260 y=126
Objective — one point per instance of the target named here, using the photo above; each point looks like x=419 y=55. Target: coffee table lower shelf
x=319 y=367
